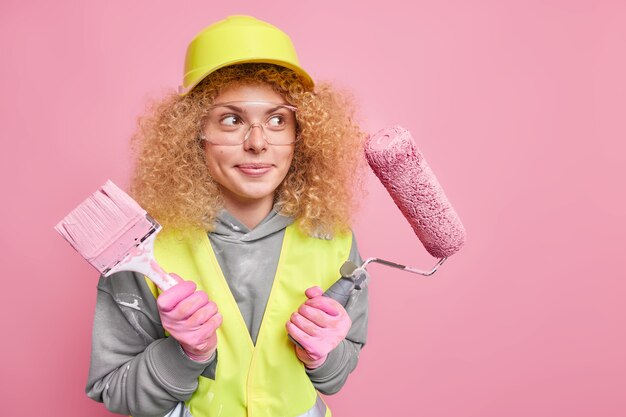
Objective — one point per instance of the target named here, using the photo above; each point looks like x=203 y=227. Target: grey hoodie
x=136 y=370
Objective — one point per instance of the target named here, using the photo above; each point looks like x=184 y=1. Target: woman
x=251 y=170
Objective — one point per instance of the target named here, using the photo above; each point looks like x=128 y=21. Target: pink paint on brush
x=402 y=169
x=113 y=233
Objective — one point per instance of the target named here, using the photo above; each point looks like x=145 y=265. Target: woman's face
x=249 y=173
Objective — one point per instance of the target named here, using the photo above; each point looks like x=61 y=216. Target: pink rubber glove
x=319 y=325
x=190 y=318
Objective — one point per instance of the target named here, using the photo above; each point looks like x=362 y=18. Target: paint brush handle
x=141 y=259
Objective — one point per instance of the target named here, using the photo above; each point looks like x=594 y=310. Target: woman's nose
x=255 y=138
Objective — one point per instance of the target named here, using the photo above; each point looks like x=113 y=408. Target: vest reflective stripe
x=319 y=409
x=265 y=380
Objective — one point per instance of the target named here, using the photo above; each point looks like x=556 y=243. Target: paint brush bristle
x=99 y=227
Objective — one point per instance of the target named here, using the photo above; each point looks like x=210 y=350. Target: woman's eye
x=230 y=120
x=276 y=121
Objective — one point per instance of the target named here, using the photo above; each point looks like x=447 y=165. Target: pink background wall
x=519 y=108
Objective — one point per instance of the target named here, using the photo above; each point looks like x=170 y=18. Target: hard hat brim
x=306 y=79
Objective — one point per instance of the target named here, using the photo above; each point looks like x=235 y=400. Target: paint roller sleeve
x=403 y=171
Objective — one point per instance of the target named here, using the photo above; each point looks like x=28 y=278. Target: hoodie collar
x=228 y=227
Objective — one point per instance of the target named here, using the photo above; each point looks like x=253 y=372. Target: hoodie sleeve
x=341 y=361
x=134 y=368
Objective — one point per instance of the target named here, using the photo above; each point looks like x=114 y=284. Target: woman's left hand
x=319 y=325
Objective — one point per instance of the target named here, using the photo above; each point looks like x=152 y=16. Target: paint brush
x=113 y=233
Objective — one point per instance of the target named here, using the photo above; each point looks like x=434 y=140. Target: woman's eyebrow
x=240 y=110
x=273 y=109
x=232 y=107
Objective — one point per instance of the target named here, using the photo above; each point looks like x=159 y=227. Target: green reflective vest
x=266 y=379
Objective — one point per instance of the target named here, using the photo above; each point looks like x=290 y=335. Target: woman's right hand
x=190 y=318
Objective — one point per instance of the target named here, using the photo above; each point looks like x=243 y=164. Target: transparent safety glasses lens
x=233 y=123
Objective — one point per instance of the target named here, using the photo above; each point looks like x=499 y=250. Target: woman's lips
x=254 y=170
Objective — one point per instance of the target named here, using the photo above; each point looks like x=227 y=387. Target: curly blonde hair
x=171 y=180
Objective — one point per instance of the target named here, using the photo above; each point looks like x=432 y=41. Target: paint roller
x=403 y=171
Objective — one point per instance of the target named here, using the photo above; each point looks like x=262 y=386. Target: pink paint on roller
x=113 y=233
x=402 y=169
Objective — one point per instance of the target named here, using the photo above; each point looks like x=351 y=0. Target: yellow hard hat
x=236 y=40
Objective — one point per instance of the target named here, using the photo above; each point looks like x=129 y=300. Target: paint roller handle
x=340 y=291
x=352 y=277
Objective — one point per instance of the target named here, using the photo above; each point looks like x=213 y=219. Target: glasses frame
x=248 y=132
